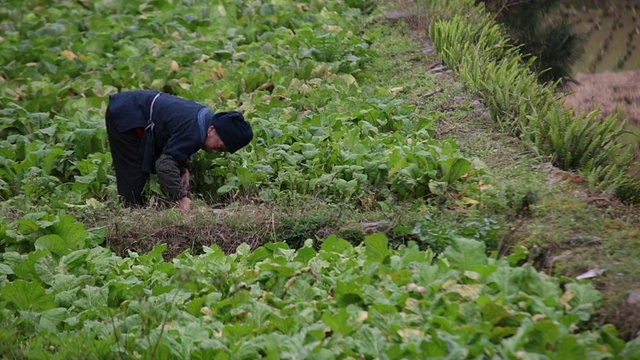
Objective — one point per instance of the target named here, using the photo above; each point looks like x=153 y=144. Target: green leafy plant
x=35 y=231
x=437 y=237
x=339 y=299
x=297 y=72
x=293 y=72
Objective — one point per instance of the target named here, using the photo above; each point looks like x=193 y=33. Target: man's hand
x=185 y=177
x=184 y=204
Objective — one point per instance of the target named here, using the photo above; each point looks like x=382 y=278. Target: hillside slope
x=570 y=230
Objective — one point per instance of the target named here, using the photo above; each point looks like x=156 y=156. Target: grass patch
x=253 y=223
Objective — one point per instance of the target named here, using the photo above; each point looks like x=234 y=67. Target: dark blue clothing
x=177 y=132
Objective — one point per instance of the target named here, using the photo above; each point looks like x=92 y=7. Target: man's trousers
x=127 y=161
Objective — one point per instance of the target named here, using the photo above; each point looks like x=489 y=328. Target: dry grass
x=247 y=222
x=614 y=92
x=140 y=230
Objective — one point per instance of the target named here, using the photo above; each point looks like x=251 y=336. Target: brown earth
x=616 y=91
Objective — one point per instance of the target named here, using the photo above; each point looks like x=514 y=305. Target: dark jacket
x=176 y=135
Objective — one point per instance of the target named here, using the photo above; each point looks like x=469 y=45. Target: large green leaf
x=584 y=301
x=51 y=319
x=339 y=323
x=371 y=342
x=333 y=244
x=376 y=247
x=71 y=231
x=453 y=169
x=28 y=296
x=54 y=243
x=465 y=254
x=92 y=298
x=26 y=269
x=570 y=349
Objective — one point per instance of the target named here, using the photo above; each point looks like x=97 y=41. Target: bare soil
x=616 y=91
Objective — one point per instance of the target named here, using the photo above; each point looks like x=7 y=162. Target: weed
x=628 y=191
x=435 y=235
x=295 y=231
x=353 y=235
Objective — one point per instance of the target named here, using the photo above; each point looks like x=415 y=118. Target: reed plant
x=481 y=53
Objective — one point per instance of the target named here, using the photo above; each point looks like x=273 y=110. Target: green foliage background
x=292 y=69
x=298 y=73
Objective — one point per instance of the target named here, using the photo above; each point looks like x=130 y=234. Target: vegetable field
x=299 y=72
x=293 y=70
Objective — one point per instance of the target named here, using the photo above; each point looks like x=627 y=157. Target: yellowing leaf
x=395 y=90
x=409 y=333
x=538 y=317
x=203 y=58
x=472 y=275
x=217 y=72
x=470 y=201
x=449 y=283
x=470 y=292
x=69 y=55
x=566 y=297
x=303 y=89
x=174 y=67
x=266 y=85
x=349 y=79
x=484 y=187
x=157 y=83
x=362 y=316
x=207 y=310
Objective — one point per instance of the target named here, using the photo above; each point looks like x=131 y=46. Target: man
x=150 y=131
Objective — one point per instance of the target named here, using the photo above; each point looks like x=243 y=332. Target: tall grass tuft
x=481 y=53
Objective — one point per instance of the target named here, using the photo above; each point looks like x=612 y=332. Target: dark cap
x=234 y=131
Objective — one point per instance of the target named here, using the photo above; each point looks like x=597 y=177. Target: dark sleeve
x=168 y=172
x=183 y=142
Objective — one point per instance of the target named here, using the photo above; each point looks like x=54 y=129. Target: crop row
x=339 y=301
x=292 y=69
